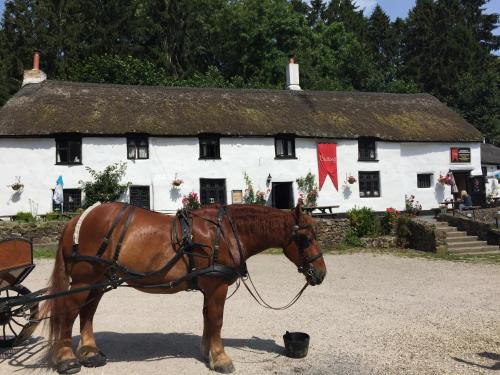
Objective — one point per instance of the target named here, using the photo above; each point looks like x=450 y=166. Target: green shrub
x=403 y=231
x=364 y=222
x=54 y=216
x=106 y=185
x=352 y=240
x=24 y=216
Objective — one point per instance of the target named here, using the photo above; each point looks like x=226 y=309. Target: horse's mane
x=262 y=219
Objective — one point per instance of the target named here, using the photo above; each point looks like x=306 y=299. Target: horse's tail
x=52 y=310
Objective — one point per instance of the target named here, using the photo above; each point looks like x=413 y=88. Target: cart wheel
x=18 y=323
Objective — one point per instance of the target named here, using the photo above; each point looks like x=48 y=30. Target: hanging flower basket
x=176 y=184
x=17 y=186
x=351 y=179
x=444 y=180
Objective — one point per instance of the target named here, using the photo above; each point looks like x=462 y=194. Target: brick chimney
x=34 y=75
x=292 y=74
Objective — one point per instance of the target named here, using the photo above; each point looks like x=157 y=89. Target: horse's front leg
x=213 y=311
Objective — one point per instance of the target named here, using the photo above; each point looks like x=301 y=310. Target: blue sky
x=395 y=8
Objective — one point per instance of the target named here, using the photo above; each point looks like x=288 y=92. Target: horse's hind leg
x=88 y=353
x=215 y=299
x=63 y=355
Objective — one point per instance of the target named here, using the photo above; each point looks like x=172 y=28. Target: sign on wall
x=327 y=163
x=460 y=155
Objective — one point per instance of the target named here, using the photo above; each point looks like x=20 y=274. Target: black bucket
x=296 y=344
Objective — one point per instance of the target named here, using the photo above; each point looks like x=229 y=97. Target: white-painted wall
x=33 y=159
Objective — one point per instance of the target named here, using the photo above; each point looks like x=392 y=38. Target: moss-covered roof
x=490 y=154
x=55 y=107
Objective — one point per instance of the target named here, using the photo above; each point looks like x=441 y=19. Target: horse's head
x=302 y=248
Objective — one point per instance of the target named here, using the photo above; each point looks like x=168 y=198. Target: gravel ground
x=374 y=314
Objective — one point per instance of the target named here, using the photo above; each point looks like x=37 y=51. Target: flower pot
x=351 y=180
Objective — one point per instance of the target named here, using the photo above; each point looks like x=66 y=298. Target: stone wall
x=382 y=242
x=332 y=232
x=425 y=236
x=40 y=232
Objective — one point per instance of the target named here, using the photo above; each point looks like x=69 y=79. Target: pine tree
x=316 y=12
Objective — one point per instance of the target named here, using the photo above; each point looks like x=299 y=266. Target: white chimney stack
x=292 y=75
x=34 y=75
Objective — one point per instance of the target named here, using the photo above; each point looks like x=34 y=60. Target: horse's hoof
x=224 y=369
x=69 y=366
x=91 y=357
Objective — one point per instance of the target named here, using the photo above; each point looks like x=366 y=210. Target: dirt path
x=374 y=314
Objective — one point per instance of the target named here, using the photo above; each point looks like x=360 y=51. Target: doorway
x=212 y=190
x=139 y=196
x=282 y=195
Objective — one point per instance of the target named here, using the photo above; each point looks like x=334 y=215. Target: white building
x=393 y=144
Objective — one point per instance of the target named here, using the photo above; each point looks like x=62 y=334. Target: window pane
x=369 y=184
x=75 y=154
x=279 y=147
x=289 y=148
x=143 y=152
x=131 y=152
x=62 y=155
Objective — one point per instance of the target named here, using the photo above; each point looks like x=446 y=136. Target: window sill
x=370 y=197
x=69 y=164
x=209 y=158
x=285 y=157
x=137 y=158
x=369 y=160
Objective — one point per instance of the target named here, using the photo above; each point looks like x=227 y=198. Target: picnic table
x=325 y=211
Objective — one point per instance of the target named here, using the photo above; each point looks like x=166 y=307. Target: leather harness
x=184 y=246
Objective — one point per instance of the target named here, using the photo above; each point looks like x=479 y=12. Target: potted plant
x=191 y=201
x=351 y=179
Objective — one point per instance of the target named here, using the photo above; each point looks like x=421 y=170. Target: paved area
x=374 y=314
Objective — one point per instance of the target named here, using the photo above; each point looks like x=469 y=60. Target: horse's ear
x=299 y=208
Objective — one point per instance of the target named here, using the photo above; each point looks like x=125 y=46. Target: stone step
x=474 y=250
x=462 y=244
x=456 y=234
x=451 y=240
x=493 y=252
x=448 y=229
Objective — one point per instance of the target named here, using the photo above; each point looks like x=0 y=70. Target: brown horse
x=146 y=242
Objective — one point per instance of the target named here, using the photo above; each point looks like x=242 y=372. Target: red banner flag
x=327 y=163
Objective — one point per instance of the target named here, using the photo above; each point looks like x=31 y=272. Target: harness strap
x=218 y=233
x=123 y=233
x=116 y=220
x=243 y=264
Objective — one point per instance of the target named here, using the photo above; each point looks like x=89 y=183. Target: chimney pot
x=292 y=74
x=34 y=75
x=36 y=60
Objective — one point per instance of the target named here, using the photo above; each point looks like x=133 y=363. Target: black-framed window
x=284 y=146
x=367 y=149
x=212 y=190
x=72 y=200
x=369 y=184
x=139 y=196
x=137 y=147
x=484 y=171
x=424 y=180
x=209 y=147
x=69 y=150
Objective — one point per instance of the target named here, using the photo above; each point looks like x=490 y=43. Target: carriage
x=17 y=321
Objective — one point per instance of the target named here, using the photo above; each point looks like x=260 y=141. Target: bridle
x=303 y=242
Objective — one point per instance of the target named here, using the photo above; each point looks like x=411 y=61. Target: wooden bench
x=473 y=209
x=325 y=211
